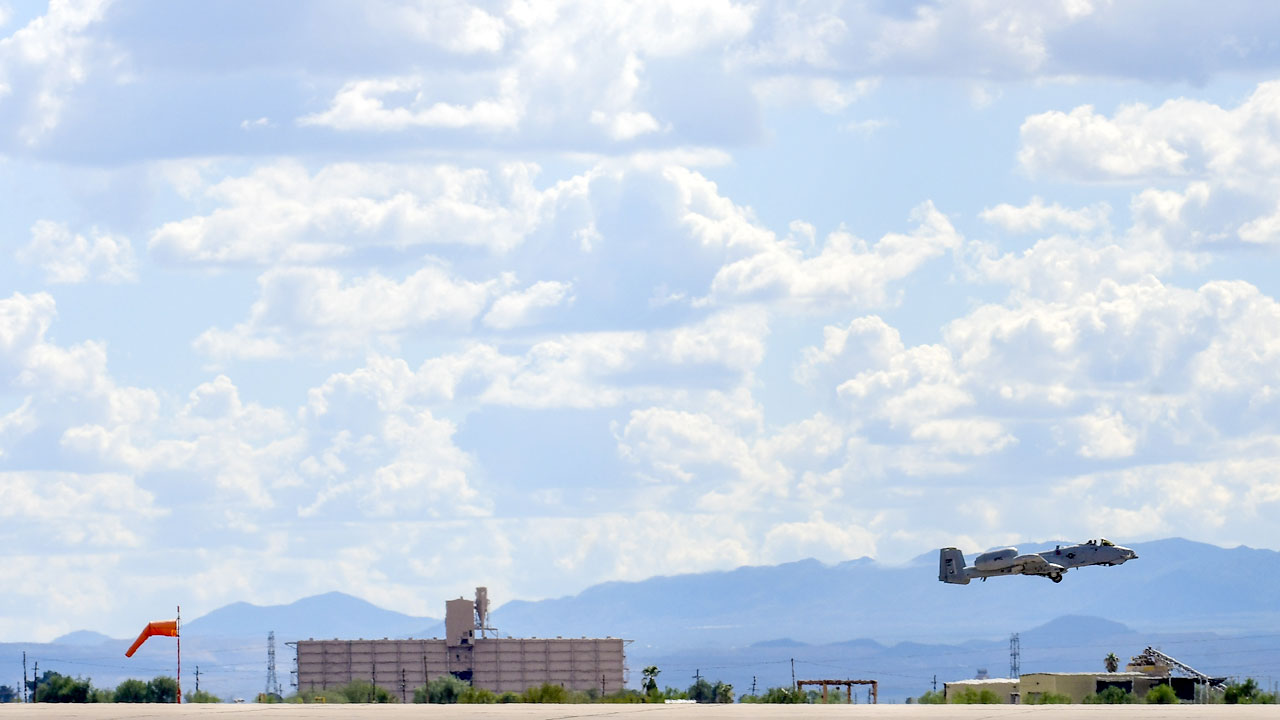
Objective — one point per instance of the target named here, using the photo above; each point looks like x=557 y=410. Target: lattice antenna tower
x=1015 y=656
x=273 y=684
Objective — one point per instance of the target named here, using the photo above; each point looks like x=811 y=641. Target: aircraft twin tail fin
x=951 y=566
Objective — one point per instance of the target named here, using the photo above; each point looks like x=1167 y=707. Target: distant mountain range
x=1175 y=585
x=1212 y=607
x=331 y=615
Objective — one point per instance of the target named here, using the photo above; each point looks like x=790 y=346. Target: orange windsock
x=163 y=628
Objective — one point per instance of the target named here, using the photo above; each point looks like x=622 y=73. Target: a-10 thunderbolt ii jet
x=1050 y=564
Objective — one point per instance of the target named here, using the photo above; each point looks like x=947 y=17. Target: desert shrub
x=545 y=693
x=973 y=696
x=57 y=688
x=443 y=689
x=477 y=696
x=1161 y=695
x=624 y=696
x=779 y=695
x=363 y=691
x=306 y=697
x=1111 y=696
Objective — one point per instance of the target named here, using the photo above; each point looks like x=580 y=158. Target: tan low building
x=1006 y=689
x=1078 y=686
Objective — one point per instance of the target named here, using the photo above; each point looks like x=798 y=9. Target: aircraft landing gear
x=1056 y=577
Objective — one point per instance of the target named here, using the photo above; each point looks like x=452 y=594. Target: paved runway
x=640 y=712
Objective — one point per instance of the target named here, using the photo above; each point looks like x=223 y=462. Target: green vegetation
x=443 y=689
x=546 y=693
x=706 y=692
x=201 y=696
x=356 y=691
x=624 y=696
x=307 y=697
x=8 y=694
x=1111 y=662
x=650 y=683
x=477 y=696
x=932 y=697
x=1111 y=696
x=1161 y=695
x=973 y=696
x=102 y=695
x=56 y=688
x=448 y=689
x=701 y=691
x=131 y=691
x=1247 y=693
x=778 y=695
x=723 y=692
x=1048 y=699
x=834 y=697
x=162 y=690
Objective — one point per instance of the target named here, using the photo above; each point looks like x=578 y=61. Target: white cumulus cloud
x=523 y=307
x=68 y=257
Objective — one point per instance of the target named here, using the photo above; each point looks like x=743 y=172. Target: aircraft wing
x=1037 y=565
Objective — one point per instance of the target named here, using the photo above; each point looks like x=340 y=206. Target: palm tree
x=651 y=679
x=1112 y=662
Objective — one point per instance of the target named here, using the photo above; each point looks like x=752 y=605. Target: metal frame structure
x=1151 y=656
x=846 y=684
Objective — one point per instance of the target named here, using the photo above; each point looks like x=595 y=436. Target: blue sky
x=400 y=298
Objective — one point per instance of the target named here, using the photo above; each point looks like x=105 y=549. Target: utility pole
x=793 y=673
x=935 y=682
x=697 y=675
x=35 y=681
x=402 y=685
x=24 y=676
x=753 y=686
x=197 y=679
x=602 y=685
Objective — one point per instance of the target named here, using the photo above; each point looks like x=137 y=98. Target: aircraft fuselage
x=1051 y=563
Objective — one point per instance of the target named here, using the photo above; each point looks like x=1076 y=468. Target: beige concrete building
x=1079 y=685
x=466 y=652
x=1076 y=686
x=1006 y=689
